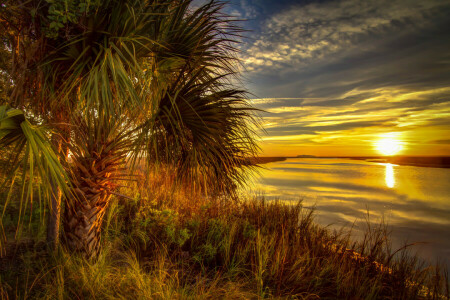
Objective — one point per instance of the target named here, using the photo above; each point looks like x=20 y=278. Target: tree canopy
x=93 y=87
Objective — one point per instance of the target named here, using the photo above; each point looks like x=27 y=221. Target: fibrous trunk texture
x=83 y=221
x=83 y=215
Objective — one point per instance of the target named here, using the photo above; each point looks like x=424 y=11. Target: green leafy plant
x=118 y=84
x=64 y=13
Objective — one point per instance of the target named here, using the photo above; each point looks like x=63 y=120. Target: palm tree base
x=82 y=228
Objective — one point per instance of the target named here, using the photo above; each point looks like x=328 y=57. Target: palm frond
x=31 y=156
x=205 y=129
x=130 y=79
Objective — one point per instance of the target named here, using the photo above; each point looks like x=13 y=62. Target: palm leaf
x=130 y=80
x=32 y=155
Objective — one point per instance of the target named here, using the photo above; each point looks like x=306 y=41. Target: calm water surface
x=414 y=201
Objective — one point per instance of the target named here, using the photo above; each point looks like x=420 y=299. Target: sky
x=348 y=77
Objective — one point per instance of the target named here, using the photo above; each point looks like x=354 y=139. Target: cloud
x=302 y=34
x=335 y=75
x=358 y=119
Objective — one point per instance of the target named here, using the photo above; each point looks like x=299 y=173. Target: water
x=414 y=201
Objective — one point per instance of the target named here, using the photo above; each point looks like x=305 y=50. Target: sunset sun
x=388 y=146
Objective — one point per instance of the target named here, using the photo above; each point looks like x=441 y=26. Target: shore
x=265 y=159
x=252 y=249
x=417 y=161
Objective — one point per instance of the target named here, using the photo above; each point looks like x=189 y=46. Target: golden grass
x=174 y=243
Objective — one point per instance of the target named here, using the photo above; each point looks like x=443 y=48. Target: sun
x=388 y=146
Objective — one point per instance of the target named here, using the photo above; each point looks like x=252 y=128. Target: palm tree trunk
x=83 y=221
x=83 y=216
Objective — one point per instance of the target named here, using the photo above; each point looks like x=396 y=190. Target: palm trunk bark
x=83 y=223
x=83 y=216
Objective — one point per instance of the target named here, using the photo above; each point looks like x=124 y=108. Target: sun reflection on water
x=389 y=177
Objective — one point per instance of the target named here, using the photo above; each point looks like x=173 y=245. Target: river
x=413 y=201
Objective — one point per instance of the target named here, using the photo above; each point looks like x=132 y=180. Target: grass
x=176 y=244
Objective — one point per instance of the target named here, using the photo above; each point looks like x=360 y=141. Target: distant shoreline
x=266 y=159
x=417 y=161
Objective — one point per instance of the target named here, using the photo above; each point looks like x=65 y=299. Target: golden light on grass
x=389 y=145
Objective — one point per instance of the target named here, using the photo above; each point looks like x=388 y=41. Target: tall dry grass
x=176 y=243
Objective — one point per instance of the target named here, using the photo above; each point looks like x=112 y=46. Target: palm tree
x=100 y=85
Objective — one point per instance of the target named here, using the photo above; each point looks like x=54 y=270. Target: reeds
x=190 y=246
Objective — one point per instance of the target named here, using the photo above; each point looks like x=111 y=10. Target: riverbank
x=179 y=245
x=265 y=160
x=420 y=161
x=417 y=161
